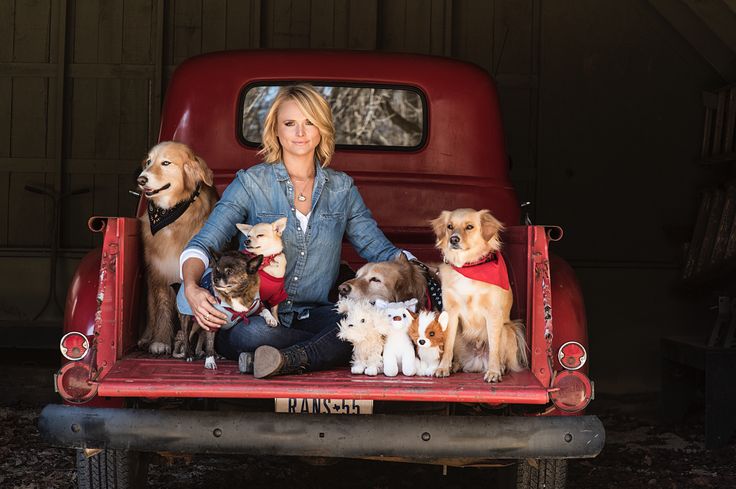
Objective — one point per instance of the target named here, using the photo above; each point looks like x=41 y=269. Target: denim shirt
x=264 y=193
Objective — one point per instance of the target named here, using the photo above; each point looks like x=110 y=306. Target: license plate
x=306 y=405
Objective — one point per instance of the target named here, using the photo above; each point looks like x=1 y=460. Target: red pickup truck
x=419 y=135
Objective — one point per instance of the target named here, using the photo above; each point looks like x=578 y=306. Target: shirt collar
x=282 y=175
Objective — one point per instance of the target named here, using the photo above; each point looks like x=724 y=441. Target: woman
x=321 y=205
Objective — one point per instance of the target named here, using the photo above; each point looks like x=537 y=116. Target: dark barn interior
x=620 y=123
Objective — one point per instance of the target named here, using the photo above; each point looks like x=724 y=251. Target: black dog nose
x=142 y=181
x=246 y=241
x=421 y=342
x=454 y=239
x=344 y=289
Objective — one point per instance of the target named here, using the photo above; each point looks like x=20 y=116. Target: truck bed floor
x=140 y=376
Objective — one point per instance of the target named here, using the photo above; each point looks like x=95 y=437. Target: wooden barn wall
x=600 y=100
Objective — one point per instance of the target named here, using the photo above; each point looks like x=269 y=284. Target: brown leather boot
x=269 y=361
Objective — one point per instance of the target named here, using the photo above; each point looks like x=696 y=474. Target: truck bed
x=140 y=375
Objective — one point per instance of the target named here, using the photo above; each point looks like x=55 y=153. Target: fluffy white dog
x=398 y=352
x=364 y=326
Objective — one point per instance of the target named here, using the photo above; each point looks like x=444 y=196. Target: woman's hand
x=202 y=304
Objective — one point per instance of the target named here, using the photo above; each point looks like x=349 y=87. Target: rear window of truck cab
x=365 y=116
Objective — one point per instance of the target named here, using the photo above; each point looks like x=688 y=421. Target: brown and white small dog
x=178 y=186
x=427 y=331
x=392 y=281
x=477 y=296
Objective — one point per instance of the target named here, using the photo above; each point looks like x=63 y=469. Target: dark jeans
x=316 y=334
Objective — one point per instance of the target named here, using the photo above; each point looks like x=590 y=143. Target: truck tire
x=111 y=469
x=541 y=474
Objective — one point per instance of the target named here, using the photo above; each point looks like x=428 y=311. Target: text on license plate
x=306 y=405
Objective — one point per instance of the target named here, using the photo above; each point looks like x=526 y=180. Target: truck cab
x=418 y=135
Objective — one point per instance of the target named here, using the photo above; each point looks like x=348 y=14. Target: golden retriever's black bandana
x=160 y=218
x=434 y=289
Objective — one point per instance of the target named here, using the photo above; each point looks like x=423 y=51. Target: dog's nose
x=344 y=289
x=454 y=239
x=422 y=342
x=142 y=181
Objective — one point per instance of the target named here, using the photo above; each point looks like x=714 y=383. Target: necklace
x=301 y=197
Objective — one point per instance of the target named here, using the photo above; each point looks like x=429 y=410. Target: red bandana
x=491 y=270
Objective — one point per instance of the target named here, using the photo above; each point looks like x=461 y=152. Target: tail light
x=571 y=391
x=73 y=382
x=572 y=355
x=74 y=346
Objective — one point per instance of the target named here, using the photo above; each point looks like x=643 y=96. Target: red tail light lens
x=572 y=355
x=74 y=346
x=571 y=391
x=73 y=384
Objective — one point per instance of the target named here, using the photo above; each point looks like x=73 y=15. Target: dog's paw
x=270 y=320
x=158 y=348
x=491 y=376
x=357 y=369
x=210 y=363
x=143 y=343
x=391 y=371
x=442 y=372
x=371 y=371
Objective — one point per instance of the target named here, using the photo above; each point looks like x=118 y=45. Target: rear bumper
x=368 y=436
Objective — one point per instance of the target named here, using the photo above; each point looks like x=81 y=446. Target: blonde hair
x=315 y=107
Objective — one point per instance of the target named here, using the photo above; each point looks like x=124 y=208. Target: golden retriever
x=179 y=188
x=392 y=281
x=480 y=332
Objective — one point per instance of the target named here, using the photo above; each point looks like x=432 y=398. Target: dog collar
x=433 y=292
x=267 y=260
x=160 y=218
x=490 y=269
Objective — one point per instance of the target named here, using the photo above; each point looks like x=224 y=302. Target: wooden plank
x=28 y=120
x=710 y=101
x=6 y=98
x=110 y=42
x=363 y=21
x=439 y=10
x=4 y=207
x=127 y=203
x=322 y=24
x=133 y=118
x=392 y=22
x=214 y=21
x=139 y=30
x=472 y=32
x=107 y=116
x=241 y=20
x=157 y=88
x=187 y=29
x=341 y=21
x=28 y=224
x=299 y=24
x=31 y=36
x=76 y=211
x=720 y=117
x=417 y=26
x=278 y=24
x=513 y=33
x=83 y=119
x=728 y=137
x=105 y=195
x=86 y=28
x=7 y=30
x=168 y=44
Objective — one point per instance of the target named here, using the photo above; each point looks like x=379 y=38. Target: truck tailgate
x=152 y=377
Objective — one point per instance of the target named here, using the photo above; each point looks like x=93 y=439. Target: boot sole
x=266 y=362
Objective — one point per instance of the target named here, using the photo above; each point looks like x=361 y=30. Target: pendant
x=301 y=198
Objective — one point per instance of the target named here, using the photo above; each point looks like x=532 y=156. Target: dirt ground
x=640 y=452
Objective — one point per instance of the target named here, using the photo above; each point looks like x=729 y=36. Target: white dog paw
x=210 y=363
x=371 y=371
x=270 y=320
x=391 y=372
x=357 y=369
x=493 y=376
x=158 y=348
x=409 y=371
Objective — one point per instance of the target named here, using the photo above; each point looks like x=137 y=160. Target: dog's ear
x=444 y=320
x=439 y=224
x=491 y=229
x=279 y=226
x=244 y=228
x=197 y=170
x=251 y=267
